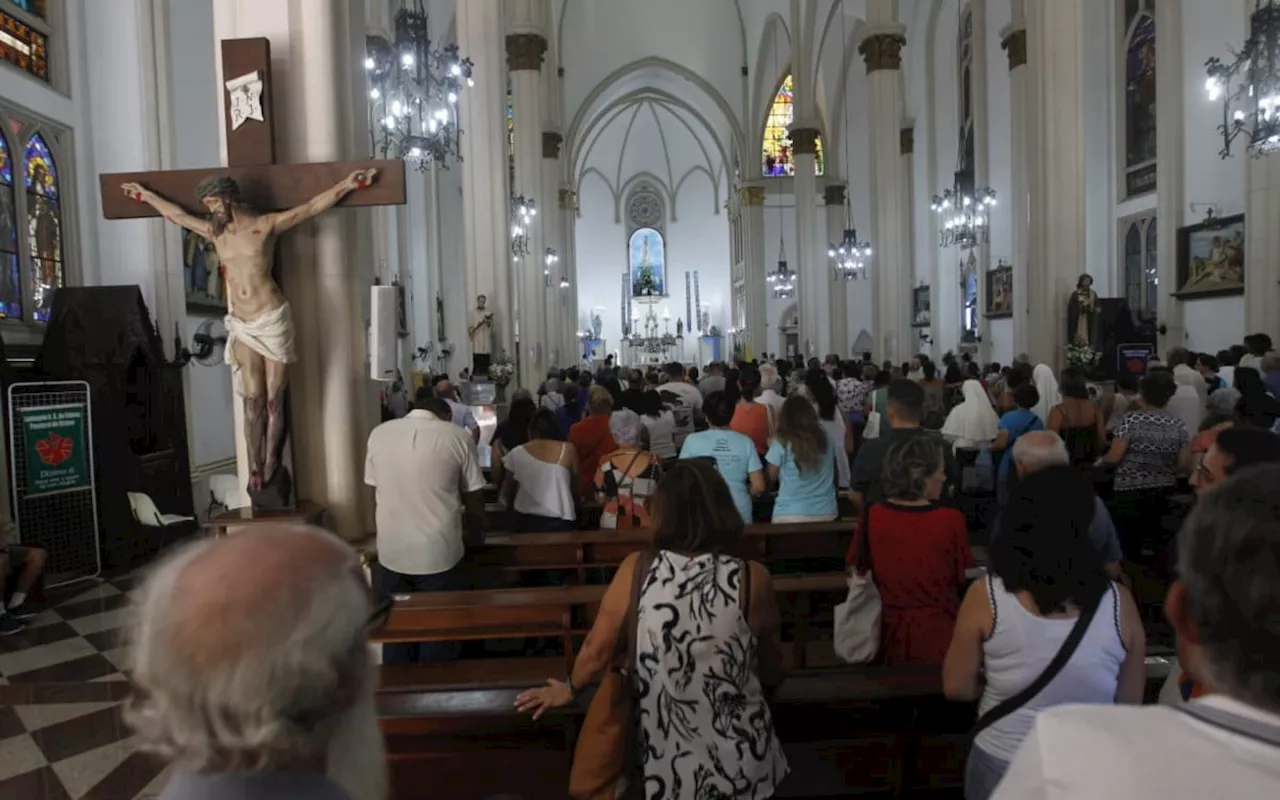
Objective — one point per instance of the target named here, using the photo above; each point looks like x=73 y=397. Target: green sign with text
x=57 y=448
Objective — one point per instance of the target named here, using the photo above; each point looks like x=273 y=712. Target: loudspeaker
x=383 y=327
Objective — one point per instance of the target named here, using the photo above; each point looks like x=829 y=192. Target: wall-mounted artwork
x=921 y=309
x=1000 y=291
x=202 y=274
x=648 y=263
x=1211 y=258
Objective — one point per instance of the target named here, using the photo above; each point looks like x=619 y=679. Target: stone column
x=811 y=279
x=567 y=206
x=1055 y=127
x=486 y=199
x=1171 y=188
x=838 y=298
x=1014 y=41
x=553 y=238
x=325 y=268
x=525 y=52
x=882 y=51
x=907 y=146
x=1262 y=279
x=753 y=259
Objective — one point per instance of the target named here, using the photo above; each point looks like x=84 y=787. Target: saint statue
x=440 y=335
x=480 y=331
x=259 y=322
x=1082 y=314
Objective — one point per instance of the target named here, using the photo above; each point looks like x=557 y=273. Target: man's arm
x=284 y=220
x=169 y=209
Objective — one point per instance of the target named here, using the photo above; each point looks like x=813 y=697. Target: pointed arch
x=777 y=157
x=44 y=225
x=10 y=272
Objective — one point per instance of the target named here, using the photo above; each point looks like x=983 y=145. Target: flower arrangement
x=646 y=284
x=501 y=370
x=1082 y=356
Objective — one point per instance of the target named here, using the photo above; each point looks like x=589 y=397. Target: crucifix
x=249 y=203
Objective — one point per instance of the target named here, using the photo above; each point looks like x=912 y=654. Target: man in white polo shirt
x=424 y=469
x=1224 y=744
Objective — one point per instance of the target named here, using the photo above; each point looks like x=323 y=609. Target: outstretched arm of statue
x=168 y=209
x=324 y=201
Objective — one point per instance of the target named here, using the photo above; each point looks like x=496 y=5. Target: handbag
x=1060 y=659
x=984 y=469
x=605 y=758
x=856 y=635
x=872 y=429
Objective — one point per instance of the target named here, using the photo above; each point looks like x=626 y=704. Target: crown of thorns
x=220 y=186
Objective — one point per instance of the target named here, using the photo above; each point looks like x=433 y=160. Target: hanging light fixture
x=549 y=259
x=782 y=280
x=1249 y=86
x=413 y=91
x=523 y=211
x=849 y=256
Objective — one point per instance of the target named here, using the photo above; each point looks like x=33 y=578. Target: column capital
x=568 y=199
x=805 y=140
x=525 y=51
x=882 y=49
x=907 y=140
x=551 y=144
x=1014 y=42
x=833 y=195
x=752 y=195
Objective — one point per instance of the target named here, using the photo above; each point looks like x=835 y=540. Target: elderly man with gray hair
x=252 y=670
x=770 y=380
x=1223 y=610
x=1038 y=450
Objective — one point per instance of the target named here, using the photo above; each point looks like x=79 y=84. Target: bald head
x=249 y=654
x=1038 y=450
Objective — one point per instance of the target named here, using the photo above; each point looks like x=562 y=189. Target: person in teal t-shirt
x=802 y=458
x=735 y=454
x=1014 y=424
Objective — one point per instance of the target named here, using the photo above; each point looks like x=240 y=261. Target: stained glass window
x=24 y=46
x=964 y=70
x=1140 y=97
x=1141 y=282
x=10 y=276
x=44 y=225
x=36 y=7
x=779 y=159
x=511 y=134
x=969 y=300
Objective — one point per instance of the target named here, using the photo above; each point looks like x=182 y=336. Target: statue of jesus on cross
x=259 y=323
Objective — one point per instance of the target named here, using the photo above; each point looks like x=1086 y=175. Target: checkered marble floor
x=61 y=686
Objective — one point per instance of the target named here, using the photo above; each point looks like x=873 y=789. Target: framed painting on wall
x=1211 y=258
x=1000 y=291
x=205 y=285
x=921 y=310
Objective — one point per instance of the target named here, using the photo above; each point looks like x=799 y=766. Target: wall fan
x=208 y=344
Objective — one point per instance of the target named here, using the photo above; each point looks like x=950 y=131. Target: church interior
x=627 y=185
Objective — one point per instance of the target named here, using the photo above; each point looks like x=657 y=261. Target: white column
x=326 y=271
x=553 y=237
x=1262 y=279
x=838 y=297
x=752 y=199
x=568 y=208
x=1013 y=38
x=1170 y=181
x=1055 y=39
x=981 y=158
x=906 y=146
x=526 y=46
x=811 y=278
x=881 y=48
x=486 y=203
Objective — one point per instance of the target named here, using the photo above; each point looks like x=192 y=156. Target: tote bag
x=857 y=620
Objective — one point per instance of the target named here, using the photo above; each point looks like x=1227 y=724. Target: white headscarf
x=974 y=420
x=1047 y=385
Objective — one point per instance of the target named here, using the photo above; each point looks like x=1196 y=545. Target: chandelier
x=849 y=256
x=782 y=280
x=413 y=92
x=964 y=213
x=1249 y=87
x=549 y=260
x=523 y=210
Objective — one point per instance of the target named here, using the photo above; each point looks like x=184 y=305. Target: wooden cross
x=251 y=160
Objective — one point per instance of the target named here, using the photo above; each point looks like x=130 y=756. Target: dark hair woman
x=823 y=395
x=689 y=591
x=660 y=424
x=750 y=418
x=541 y=487
x=733 y=453
x=513 y=432
x=1255 y=407
x=1046 y=571
x=1077 y=420
x=802 y=460
x=917 y=551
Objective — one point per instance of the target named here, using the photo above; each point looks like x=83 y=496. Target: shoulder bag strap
x=1012 y=704
x=624 y=515
x=630 y=623
x=1254 y=729
x=744 y=589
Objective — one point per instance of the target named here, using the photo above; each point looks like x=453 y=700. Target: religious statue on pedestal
x=259 y=323
x=1082 y=314
x=480 y=331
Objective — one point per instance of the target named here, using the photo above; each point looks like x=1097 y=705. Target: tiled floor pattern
x=61 y=685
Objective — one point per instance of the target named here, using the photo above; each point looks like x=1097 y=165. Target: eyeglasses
x=380 y=614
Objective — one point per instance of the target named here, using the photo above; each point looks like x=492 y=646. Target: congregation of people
x=1093 y=519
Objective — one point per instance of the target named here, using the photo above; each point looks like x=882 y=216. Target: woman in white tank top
x=1046 y=571
x=541 y=488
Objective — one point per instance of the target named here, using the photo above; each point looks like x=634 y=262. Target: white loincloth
x=269 y=335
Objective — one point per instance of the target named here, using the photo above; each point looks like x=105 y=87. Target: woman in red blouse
x=919 y=552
